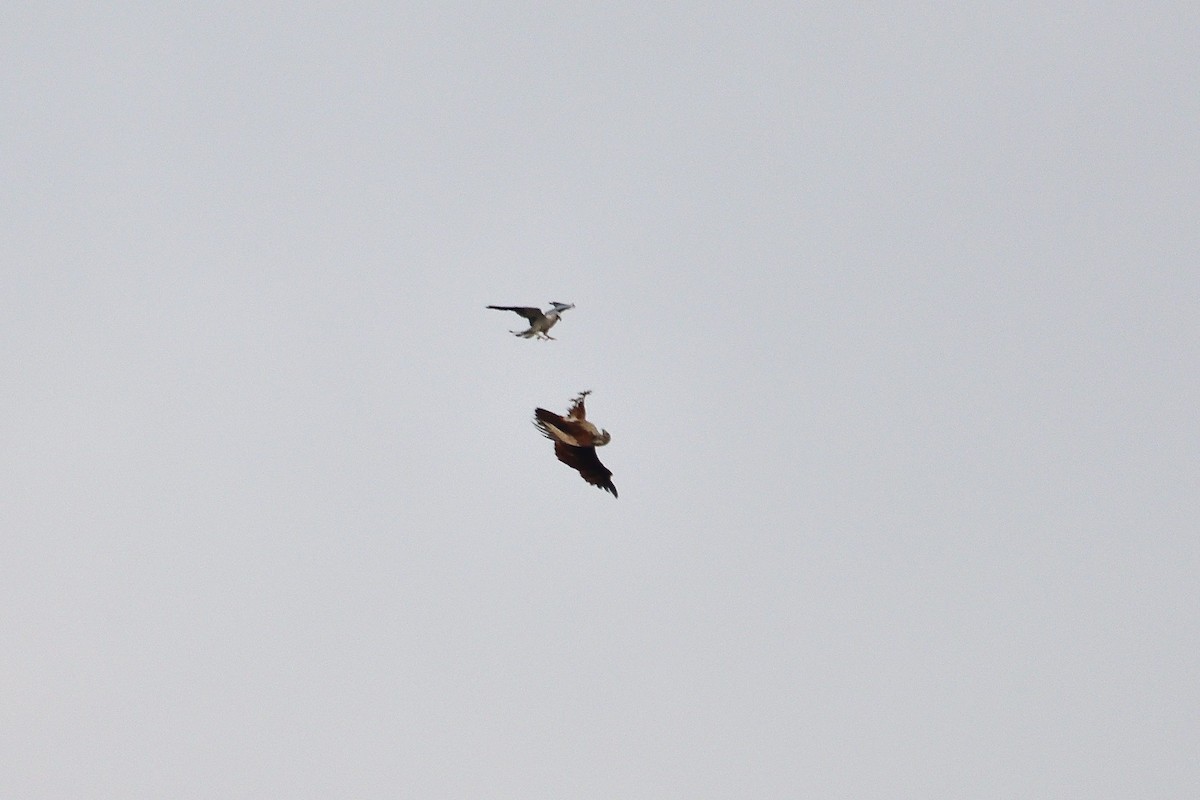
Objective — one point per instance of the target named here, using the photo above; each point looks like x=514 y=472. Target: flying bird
x=575 y=442
x=539 y=321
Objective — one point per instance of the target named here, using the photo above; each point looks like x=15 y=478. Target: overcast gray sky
x=890 y=309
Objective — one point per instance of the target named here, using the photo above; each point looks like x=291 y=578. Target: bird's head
x=604 y=438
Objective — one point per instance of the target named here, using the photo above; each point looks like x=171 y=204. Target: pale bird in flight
x=539 y=321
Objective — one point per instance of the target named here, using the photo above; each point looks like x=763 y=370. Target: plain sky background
x=891 y=310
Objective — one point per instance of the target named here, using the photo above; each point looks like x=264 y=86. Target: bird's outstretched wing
x=561 y=429
x=569 y=430
x=584 y=461
x=531 y=314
